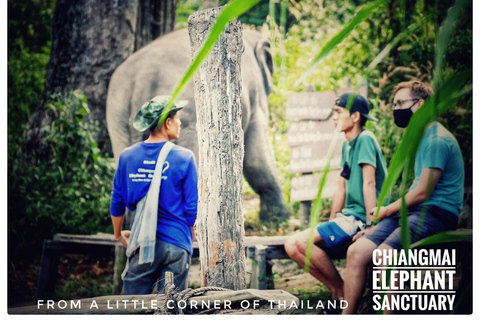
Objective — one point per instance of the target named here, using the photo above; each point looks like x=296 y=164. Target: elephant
x=155 y=70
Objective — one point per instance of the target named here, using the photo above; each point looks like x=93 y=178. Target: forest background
x=70 y=193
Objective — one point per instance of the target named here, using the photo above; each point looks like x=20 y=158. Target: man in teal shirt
x=436 y=189
x=358 y=186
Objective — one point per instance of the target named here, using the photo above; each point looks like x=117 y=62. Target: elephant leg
x=260 y=172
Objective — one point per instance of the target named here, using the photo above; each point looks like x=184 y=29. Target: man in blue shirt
x=437 y=188
x=177 y=202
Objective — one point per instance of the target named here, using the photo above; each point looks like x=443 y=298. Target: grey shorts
x=434 y=221
x=141 y=278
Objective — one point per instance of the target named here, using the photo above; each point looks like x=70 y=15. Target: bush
x=70 y=191
x=26 y=79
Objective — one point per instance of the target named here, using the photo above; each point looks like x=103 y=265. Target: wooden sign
x=313 y=156
x=310 y=138
x=305 y=187
x=310 y=105
x=305 y=132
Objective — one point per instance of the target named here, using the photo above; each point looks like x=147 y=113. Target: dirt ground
x=81 y=276
x=287 y=276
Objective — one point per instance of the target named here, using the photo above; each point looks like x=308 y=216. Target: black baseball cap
x=360 y=104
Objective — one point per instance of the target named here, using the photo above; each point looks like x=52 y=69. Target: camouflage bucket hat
x=151 y=111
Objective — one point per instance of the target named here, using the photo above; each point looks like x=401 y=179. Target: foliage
x=28 y=54
x=29 y=24
x=26 y=79
x=184 y=9
x=68 y=193
x=361 y=15
x=258 y=14
x=411 y=58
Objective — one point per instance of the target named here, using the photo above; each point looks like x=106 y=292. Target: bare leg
x=321 y=267
x=359 y=255
x=392 y=284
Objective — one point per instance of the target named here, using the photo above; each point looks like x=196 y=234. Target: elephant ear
x=264 y=59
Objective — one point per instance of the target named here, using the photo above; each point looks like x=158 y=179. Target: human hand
x=382 y=214
x=126 y=234
x=124 y=239
x=360 y=234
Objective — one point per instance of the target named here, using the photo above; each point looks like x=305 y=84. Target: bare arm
x=428 y=179
x=338 y=200
x=369 y=190
x=193 y=233
x=121 y=236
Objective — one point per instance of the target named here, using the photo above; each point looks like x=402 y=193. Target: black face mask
x=402 y=117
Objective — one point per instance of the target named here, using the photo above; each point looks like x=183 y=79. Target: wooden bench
x=260 y=249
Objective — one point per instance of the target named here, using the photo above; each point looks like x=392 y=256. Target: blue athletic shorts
x=435 y=220
x=338 y=233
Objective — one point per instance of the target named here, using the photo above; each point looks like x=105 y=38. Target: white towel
x=144 y=229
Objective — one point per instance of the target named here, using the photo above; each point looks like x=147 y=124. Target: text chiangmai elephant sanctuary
x=156 y=69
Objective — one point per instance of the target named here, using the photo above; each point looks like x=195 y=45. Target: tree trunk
x=155 y=18
x=90 y=39
x=219 y=228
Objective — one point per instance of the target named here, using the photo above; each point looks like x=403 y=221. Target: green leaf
x=442 y=237
x=232 y=10
x=404 y=225
x=443 y=40
x=361 y=15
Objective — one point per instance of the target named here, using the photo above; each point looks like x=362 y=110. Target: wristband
x=369 y=223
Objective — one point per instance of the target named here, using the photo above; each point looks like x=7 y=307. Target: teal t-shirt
x=364 y=149
x=439 y=149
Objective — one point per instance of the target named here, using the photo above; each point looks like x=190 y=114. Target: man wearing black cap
x=433 y=202
x=358 y=186
x=164 y=197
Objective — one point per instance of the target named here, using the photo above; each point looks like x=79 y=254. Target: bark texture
x=155 y=18
x=90 y=39
x=219 y=228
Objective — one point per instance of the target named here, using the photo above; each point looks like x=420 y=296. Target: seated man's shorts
x=338 y=233
x=432 y=221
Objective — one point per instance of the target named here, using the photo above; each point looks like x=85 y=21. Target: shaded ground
x=82 y=276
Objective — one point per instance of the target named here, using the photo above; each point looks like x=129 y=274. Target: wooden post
x=120 y=262
x=48 y=270
x=259 y=268
x=219 y=227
